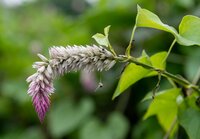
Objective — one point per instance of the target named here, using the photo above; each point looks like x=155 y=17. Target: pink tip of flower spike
x=41 y=103
x=40 y=88
x=40 y=93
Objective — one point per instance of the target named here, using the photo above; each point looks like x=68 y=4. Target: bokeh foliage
x=33 y=27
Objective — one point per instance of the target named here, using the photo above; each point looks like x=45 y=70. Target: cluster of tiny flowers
x=63 y=60
x=41 y=87
x=66 y=59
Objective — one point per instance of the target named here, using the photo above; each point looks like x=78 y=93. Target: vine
x=73 y=58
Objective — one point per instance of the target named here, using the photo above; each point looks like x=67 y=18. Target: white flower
x=63 y=60
x=66 y=59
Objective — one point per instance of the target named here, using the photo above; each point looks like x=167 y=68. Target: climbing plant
x=176 y=106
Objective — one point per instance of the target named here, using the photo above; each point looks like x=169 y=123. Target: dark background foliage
x=28 y=27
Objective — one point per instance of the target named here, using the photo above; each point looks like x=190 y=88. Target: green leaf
x=190 y=121
x=192 y=64
x=165 y=97
x=157 y=61
x=120 y=125
x=102 y=39
x=116 y=127
x=144 y=54
x=146 y=18
x=189 y=29
x=94 y=129
x=13 y=89
x=106 y=31
x=66 y=116
x=164 y=106
x=189 y=26
x=132 y=73
x=32 y=133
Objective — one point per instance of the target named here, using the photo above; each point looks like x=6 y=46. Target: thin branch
x=164 y=73
x=168 y=52
x=157 y=86
x=172 y=82
x=111 y=49
x=128 y=50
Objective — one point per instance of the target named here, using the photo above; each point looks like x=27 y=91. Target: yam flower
x=63 y=60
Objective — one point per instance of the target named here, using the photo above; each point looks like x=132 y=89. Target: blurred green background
x=28 y=27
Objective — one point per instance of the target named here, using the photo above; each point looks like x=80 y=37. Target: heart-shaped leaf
x=164 y=106
x=157 y=61
x=106 y=30
x=116 y=127
x=189 y=29
x=190 y=121
x=146 y=18
x=102 y=39
x=131 y=74
x=67 y=115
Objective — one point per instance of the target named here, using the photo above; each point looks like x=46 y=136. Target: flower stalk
x=128 y=50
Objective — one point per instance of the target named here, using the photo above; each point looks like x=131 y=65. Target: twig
x=157 y=86
x=172 y=82
x=168 y=52
x=164 y=73
x=128 y=50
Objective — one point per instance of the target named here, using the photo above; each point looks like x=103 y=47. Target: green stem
x=168 y=52
x=128 y=50
x=197 y=77
x=164 y=73
x=172 y=82
x=157 y=86
x=111 y=49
